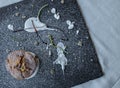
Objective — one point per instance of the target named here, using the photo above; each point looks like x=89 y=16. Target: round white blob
x=71 y=26
x=68 y=22
x=53 y=10
x=10 y=27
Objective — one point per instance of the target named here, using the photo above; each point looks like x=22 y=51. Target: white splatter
x=77 y=32
x=70 y=24
x=53 y=10
x=57 y=16
x=62 y=60
x=28 y=26
x=11 y=27
x=50 y=53
x=47 y=47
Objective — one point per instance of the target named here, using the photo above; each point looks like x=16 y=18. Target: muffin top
x=21 y=64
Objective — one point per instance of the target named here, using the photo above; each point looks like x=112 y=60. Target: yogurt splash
x=39 y=25
x=62 y=60
x=70 y=24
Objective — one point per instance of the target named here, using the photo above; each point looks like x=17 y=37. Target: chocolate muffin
x=22 y=64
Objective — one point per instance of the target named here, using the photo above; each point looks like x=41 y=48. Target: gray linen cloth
x=103 y=20
x=7 y=2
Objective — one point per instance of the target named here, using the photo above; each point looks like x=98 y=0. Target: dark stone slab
x=83 y=64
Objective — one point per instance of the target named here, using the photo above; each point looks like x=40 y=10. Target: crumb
x=79 y=43
x=7 y=50
x=47 y=47
x=23 y=17
x=62 y=1
x=48 y=11
x=16 y=7
x=17 y=14
x=52 y=71
x=36 y=43
x=18 y=43
x=22 y=48
x=50 y=53
x=57 y=16
x=87 y=37
x=75 y=58
x=69 y=32
x=32 y=5
x=85 y=54
x=91 y=60
x=73 y=54
x=77 y=32
x=83 y=60
x=52 y=0
x=18 y=33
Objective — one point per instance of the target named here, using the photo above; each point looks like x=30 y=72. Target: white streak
x=50 y=53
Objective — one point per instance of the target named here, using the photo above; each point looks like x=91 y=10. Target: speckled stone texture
x=83 y=64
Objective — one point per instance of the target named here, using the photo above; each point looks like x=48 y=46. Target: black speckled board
x=83 y=64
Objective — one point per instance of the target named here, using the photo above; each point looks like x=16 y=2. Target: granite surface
x=83 y=64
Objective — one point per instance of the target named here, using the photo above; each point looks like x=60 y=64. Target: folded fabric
x=8 y=2
x=103 y=20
